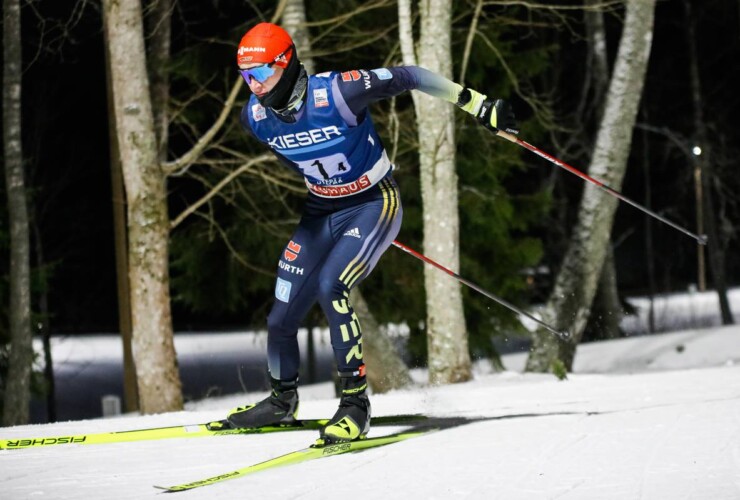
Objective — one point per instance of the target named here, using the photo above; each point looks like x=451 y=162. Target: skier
x=320 y=126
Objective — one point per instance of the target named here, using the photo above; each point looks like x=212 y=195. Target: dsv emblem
x=291 y=253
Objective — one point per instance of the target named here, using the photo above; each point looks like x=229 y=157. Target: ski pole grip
x=506 y=135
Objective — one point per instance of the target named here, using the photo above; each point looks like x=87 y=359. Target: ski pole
x=702 y=239
x=511 y=307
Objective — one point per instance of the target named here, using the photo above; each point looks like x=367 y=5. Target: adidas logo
x=354 y=232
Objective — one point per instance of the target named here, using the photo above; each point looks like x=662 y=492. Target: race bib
x=324 y=169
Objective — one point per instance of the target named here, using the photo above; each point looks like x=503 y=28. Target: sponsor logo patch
x=343 y=190
x=242 y=50
x=366 y=79
x=307 y=138
x=354 y=232
x=282 y=290
x=320 y=98
x=382 y=73
x=24 y=443
x=290 y=269
x=258 y=112
x=291 y=253
x=351 y=76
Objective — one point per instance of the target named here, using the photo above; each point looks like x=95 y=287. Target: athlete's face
x=261 y=88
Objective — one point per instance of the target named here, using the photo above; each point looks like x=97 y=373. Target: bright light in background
x=696 y=150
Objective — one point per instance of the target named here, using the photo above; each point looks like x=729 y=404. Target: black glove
x=497 y=115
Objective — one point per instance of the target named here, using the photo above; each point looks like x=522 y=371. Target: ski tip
x=171 y=489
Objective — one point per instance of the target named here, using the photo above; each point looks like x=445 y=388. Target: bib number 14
x=325 y=168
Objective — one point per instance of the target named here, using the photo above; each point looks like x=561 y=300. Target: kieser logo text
x=313 y=136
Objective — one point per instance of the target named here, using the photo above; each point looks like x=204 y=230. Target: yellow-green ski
x=181 y=431
x=217 y=428
x=303 y=455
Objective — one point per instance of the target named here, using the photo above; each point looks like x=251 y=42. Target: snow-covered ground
x=89 y=368
x=679 y=311
x=654 y=417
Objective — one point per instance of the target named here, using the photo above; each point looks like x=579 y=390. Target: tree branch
x=192 y=208
x=469 y=41
x=181 y=164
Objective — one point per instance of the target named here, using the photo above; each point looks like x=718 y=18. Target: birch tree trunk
x=158 y=30
x=596 y=34
x=120 y=239
x=606 y=310
x=294 y=22
x=570 y=301
x=18 y=385
x=447 y=341
x=386 y=369
x=153 y=349
x=606 y=302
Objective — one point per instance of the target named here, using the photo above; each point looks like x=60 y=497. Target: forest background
x=515 y=209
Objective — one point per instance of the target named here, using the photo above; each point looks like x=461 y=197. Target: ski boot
x=279 y=408
x=352 y=420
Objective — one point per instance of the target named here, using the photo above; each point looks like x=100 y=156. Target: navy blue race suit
x=353 y=211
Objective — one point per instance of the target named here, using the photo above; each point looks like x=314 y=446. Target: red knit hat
x=265 y=43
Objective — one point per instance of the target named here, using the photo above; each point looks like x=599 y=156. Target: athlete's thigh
x=299 y=266
x=363 y=233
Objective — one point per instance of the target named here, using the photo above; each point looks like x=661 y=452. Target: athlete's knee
x=279 y=325
x=333 y=296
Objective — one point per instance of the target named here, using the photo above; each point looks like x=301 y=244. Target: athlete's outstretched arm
x=360 y=88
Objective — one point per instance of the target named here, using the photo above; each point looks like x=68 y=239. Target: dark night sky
x=66 y=142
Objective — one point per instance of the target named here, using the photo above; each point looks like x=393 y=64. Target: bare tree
x=158 y=32
x=294 y=21
x=447 y=341
x=158 y=22
x=570 y=301
x=18 y=387
x=606 y=310
x=148 y=223
x=120 y=239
